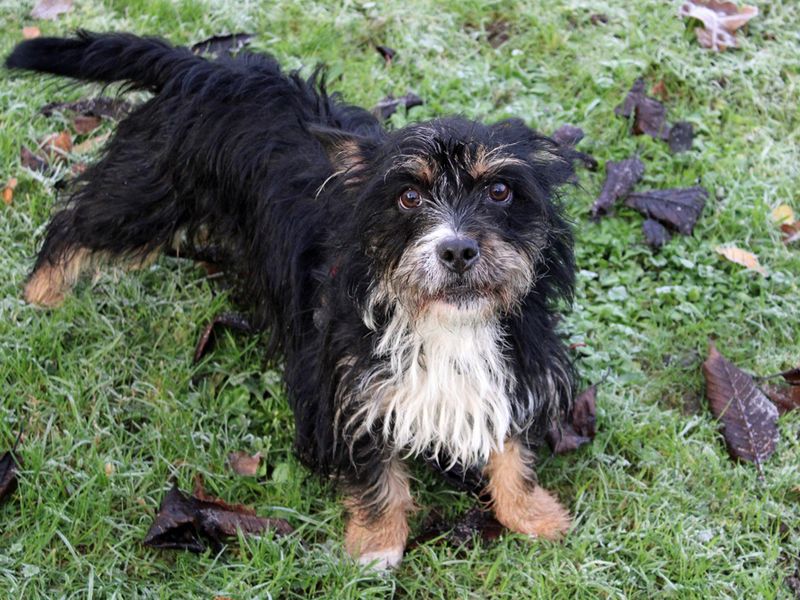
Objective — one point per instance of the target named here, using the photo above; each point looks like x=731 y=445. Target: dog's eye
x=500 y=192
x=410 y=199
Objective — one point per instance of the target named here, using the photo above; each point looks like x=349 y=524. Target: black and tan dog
x=408 y=278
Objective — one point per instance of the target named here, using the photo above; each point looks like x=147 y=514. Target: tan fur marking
x=50 y=283
x=487 y=162
x=518 y=504
x=382 y=539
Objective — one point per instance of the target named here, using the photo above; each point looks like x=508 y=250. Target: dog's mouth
x=461 y=294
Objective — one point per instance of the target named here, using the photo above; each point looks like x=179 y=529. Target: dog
x=410 y=279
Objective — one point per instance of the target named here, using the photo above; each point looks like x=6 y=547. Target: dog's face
x=457 y=217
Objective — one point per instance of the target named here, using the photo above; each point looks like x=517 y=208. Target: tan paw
x=537 y=514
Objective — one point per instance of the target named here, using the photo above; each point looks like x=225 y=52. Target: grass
x=112 y=406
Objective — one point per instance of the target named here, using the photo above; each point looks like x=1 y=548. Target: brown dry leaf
x=56 y=145
x=785 y=397
x=749 y=420
x=677 y=208
x=184 y=522
x=620 y=178
x=578 y=428
x=29 y=33
x=245 y=464
x=741 y=257
x=655 y=234
x=459 y=533
x=31 y=160
x=720 y=21
x=10 y=463
x=8 y=191
x=50 y=9
x=782 y=213
x=660 y=89
x=791 y=232
x=235 y=321
x=84 y=124
x=91 y=144
x=649 y=115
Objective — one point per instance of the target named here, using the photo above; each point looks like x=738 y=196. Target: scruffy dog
x=408 y=278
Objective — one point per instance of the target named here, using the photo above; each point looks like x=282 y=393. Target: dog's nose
x=458 y=254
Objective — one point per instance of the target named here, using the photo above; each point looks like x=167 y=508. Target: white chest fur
x=443 y=388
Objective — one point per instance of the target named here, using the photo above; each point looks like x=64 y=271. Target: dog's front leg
x=378 y=526
x=518 y=501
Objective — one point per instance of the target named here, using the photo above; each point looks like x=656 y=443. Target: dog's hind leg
x=378 y=526
x=114 y=216
x=518 y=501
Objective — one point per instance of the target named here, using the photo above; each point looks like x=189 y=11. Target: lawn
x=113 y=408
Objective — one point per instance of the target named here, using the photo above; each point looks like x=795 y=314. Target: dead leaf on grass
x=244 y=464
x=655 y=234
x=389 y=105
x=782 y=213
x=748 y=418
x=91 y=144
x=83 y=124
x=56 y=146
x=30 y=33
x=218 y=44
x=475 y=523
x=649 y=115
x=387 y=53
x=791 y=232
x=50 y=9
x=620 y=178
x=187 y=522
x=741 y=257
x=579 y=426
x=8 y=191
x=101 y=106
x=236 y=321
x=10 y=463
x=569 y=136
x=680 y=137
x=677 y=208
x=720 y=21
x=31 y=160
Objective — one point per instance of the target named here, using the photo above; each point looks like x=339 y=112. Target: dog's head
x=458 y=217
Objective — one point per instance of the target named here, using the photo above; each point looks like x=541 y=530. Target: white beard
x=443 y=386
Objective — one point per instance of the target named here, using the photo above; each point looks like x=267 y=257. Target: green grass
x=661 y=509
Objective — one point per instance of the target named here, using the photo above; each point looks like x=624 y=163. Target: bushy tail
x=146 y=63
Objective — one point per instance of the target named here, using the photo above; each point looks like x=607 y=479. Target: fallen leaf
x=785 y=397
x=579 y=426
x=50 y=9
x=84 y=124
x=185 y=522
x=32 y=161
x=244 y=464
x=748 y=418
x=782 y=213
x=8 y=191
x=598 y=19
x=741 y=257
x=10 y=463
x=791 y=232
x=568 y=135
x=792 y=376
x=620 y=178
x=677 y=208
x=649 y=115
x=660 y=89
x=498 y=33
x=56 y=145
x=720 y=21
x=475 y=523
x=236 y=321
x=30 y=33
x=389 y=105
x=218 y=44
x=91 y=144
x=655 y=234
x=680 y=137
x=387 y=53
x=101 y=106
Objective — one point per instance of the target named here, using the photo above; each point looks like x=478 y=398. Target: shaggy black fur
x=301 y=190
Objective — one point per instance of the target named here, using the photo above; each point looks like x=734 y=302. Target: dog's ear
x=347 y=151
